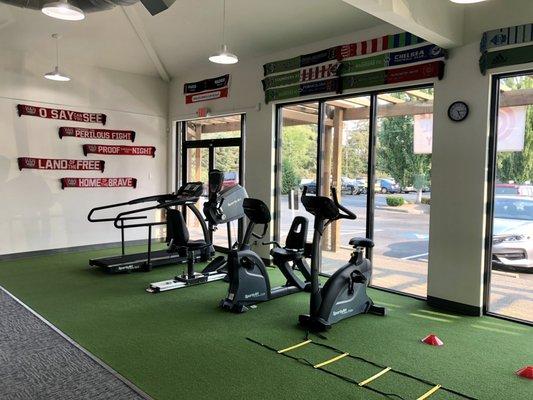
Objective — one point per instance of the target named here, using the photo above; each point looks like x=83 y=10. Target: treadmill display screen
x=191 y=189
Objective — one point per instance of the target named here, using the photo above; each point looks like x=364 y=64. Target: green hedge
x=426 y=200
x=395 y=201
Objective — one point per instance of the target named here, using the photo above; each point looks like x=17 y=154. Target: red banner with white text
x=116 y=150
x=57 y=113
x=103 y=134
x=60 y=164
x=98 y=182
x=205 y=96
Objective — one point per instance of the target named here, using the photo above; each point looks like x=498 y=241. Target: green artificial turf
x=179 y=345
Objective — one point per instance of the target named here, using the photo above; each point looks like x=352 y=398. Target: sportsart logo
x=253 y=295
x=127 y=267
x=343 y=311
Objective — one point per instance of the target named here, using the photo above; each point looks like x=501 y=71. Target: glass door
x=510 y=239
x=207 y=144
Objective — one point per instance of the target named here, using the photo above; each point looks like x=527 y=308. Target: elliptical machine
x=344 y=293
x=249 y=283
x=223 y=206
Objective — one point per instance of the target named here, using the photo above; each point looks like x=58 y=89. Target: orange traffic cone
x=432 y=340
x=526 y=372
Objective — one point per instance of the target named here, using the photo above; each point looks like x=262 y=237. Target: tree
x=298 y=149
x=395 y=156
x=355 y=149
x=518 y=166
x=289 y=179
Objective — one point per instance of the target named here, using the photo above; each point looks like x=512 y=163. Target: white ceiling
x=184 y=35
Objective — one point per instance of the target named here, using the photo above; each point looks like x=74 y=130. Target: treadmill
x=186 y=196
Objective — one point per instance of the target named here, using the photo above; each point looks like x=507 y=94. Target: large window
x=511 y=239
x=376 y=150
x=403 y=167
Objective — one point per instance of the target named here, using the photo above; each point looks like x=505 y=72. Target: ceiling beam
x=138 y=27
x=391 y=99
x=439 y=22
x=420 y=94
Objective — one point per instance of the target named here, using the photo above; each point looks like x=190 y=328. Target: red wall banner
x=118 y=150
x=60 y=164
x=57 y=113
x=98 y=182
x=88 y=133
x=212 y=95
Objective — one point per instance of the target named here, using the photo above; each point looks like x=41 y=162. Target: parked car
x=230 y=179
x=361 y=186
x=513 y=188
x=411 y=189
x=353 y=186
x=512 y=239
x=311 y=185
x=387 y=186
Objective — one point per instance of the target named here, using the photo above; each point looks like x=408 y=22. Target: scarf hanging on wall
x=506 y=46
x=98 y=182
x=57 y=113
x=104 y=134
x=60 y=164
x=338 y=68
x=116 y=150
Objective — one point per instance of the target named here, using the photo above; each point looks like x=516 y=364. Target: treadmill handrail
x=127 y=203
x=120 y=216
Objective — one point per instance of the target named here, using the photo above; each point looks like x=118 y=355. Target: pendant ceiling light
x=55 y=75
x=224 y=56
x=62 y=9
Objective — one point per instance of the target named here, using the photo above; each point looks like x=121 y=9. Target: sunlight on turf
x=390 y=305
x=486 y=328
x=504 y=325
x=430 y=318
x=440 y=314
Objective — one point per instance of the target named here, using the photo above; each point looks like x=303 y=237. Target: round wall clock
x=458 y=111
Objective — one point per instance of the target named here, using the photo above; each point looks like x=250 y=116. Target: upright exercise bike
x=344 y=294
x=249 y=283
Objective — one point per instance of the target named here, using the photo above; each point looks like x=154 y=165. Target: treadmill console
x=190 y=191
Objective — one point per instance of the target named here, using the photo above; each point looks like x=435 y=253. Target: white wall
x=35 y=214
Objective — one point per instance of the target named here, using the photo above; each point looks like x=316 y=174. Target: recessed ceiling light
x=62 y=9
x=466 y=1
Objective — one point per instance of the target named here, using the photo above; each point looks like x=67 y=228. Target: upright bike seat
x=361 y=242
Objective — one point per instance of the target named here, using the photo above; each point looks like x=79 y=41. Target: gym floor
x=179 y=345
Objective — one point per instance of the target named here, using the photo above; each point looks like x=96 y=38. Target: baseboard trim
x=74 y=249
x=460 y=308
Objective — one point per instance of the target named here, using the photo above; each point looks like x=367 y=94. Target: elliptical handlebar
x=347 y=213
x=327 y=208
